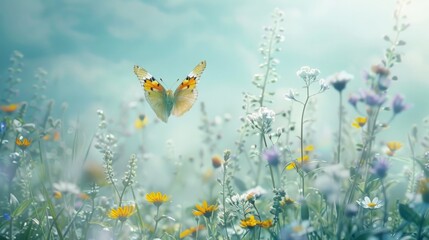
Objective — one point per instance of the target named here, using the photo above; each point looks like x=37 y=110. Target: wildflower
x=57 y=195
x=19 y=127
x=141 y=121
x=384 y=83
x=9 y=108
x=7 y=216
x=22 y=142
x=287 y=201
x=393 y=146
x=266 y=223
x=309 y=148
x=272 y=156
x=359 y=122
x=373 y=99
x=398 y=104
x=256 y=192
x=291 y=95
x=157 y=198
x=204 y=209
x=191 y=231
x=380 y=166
x=300 y=161
x=308 y=74
x=66 y=187
x=94 y=172
x=296 y=230
x=367 y=203
x=249 y=222
x=262 y=119
x=217 y=161
x=122 y=213
x=2 y=127
x=380 y=70
x=340 y=80
x=324 y=85
x=354 y=98
x=83 y=196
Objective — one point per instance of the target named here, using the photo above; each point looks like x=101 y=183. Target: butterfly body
x=166 y=102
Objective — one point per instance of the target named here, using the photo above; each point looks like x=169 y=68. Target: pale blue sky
x=89 y=49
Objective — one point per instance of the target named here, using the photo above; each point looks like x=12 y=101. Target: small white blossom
x=367 y=203
x=66 y=187
x=262 y=119
x=308 y=74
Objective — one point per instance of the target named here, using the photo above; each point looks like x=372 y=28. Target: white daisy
x=367 y=203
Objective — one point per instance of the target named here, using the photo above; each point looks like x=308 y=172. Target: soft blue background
x=89 y=49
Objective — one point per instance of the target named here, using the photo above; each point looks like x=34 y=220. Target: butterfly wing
x=186 y=94
x=155 y=93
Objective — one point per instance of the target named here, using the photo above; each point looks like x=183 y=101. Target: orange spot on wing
x=188 y=83
x=152 y=85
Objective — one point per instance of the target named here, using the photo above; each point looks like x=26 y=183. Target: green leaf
x=21 y=208
x=305 y=213
x=408 y=214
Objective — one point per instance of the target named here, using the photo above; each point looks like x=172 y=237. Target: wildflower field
x=282 y=162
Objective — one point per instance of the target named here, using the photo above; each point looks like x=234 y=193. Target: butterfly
x=165 y=102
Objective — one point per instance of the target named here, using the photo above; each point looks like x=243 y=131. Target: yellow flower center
x=371 y=205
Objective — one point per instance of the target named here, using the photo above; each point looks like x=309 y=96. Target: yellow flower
x=287 y=201
x=393 y=146
x=141 y=122
x=57 y=195
x=157 y=198
x=249 y=222
x=266 y=223
x=83 y=196
x=191 y=231
x=122 y=213
x=22 y=142
x=359 y=122
x=299 y=160
x=9 y=108
x=204 y=209
x=309 y=148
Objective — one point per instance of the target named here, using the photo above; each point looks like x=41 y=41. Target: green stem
x=340 y=112
x=302 y=139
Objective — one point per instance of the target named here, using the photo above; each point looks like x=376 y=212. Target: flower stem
x=340 y=113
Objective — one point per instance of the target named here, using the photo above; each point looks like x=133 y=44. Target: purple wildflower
x=398 y=104
x=372 y=99
x=354 y=98
x=380 y=166
x=7 y=216
x=384 y=83
x=272 y=156
x=2 y=127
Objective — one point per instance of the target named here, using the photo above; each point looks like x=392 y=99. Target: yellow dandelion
x=266 y=223
x=359 y=122
x=141 y=121
x=157 y=198
x=9 y=108
x=204 y=209
x=57 y=195
x=191 y=231
x=298 y=161
x=287 y=201
x=393 y=146
x=122 y=213
x=22 y=142
x=249 y=222
x=309 y=148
